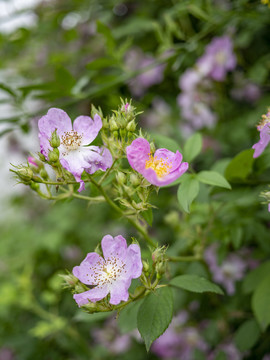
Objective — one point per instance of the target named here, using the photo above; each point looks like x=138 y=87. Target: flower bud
x=131 y=126
x=134 y=179
x=55 y=140
x=25 y=174
x=121 y=178
x=53 y=155
x=34 y=186
x=42 y=157
x=43 y=173
x=113 y=125
x=145 y=265
x=152 y=147
x=160 y=268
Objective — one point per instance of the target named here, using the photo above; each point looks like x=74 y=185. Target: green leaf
x=247 y=335
x=213 y=178
x=240 y=166
x=106 y=32
x=148 y=216
x=127 y=320
x=261 y=303
x=195 y=283
x=155 y=315
x=165 y=142
x=253 y=278
x=187 y=192
x=101 y=63
x=193 y=147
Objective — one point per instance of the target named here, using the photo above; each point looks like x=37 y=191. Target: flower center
x=264 y=121
x=71 y=140
x=160 y=166
x=109 y=271
x=220 y=57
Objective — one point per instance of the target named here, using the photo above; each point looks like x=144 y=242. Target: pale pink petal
x=92 y=295
x=133 y=261
x=56 y=119
x=119 y=292
x=86 y=271
x=87 y=127
x=113 y=246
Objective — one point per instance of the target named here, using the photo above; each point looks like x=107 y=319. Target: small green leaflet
x=261 y=303
x=195 y=283
x=193 y=147
x=213 y=178
x=187 y=192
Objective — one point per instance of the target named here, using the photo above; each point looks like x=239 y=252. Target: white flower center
x=71 y=140
x=221 y=57
x=108 y=272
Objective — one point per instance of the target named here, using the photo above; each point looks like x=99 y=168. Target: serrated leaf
x=247 y=335
x=193 y=147
x=253 y=278
x=155 y=315
x=148 y=216
x=261 y=303
x=213 y=178
x=187 y=192
x=163 y=141
x=195 y=283
x=240 y=166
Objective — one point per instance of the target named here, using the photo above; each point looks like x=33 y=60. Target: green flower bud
x=34 y=186
x=25 y=174
x=55 y=140
x=121 y=178
x=134 y=179
x=42 y=157
x=113 y=125
x=53 y=155
x=160 y=268
x=145 y=265
x=152 y=147
x=131 y=126
x=43 y=173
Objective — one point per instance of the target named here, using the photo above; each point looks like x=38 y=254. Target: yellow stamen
x=265 y=120
x=160 y=166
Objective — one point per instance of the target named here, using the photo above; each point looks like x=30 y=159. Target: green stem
x=120 y=211
x=107 y=172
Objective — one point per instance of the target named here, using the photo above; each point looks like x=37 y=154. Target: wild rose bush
x=142 y=224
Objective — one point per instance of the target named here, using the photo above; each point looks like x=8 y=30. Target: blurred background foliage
x=75 y=53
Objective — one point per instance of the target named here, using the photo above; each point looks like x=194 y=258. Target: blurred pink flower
x=264 y=129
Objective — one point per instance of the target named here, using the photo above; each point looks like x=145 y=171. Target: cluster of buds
x=120 y=126
x=159 y=261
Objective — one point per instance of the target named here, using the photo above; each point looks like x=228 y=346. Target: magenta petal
x=87 y=127
x=119 y=292
x=133 y=261
x=137 y=154
x=92 y=295
x=152 y=177
x=86 y=271
x=113 y=246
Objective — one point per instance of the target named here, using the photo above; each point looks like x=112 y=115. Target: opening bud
x=145 y=266
x=55 y=140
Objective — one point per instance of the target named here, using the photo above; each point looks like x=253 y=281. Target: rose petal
x=87 y=127
x=92 y=295
x=138 y=153
x=119 y=292
x=114 y=246
x=86 y=271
